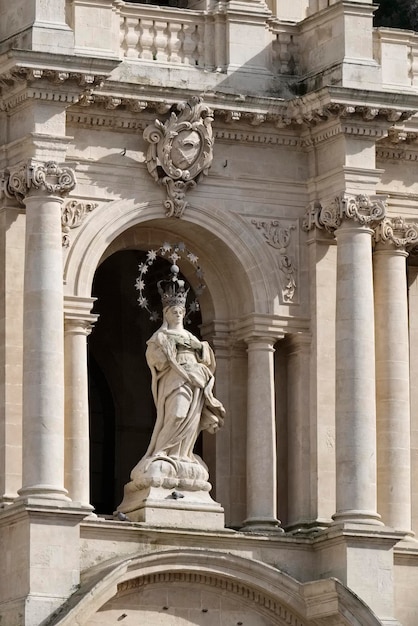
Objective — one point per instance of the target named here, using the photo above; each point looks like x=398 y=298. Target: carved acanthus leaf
x=73 y=214
x=180 y=151
x=279 y=237
x=363 y=209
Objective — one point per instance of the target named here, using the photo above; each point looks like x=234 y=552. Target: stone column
x=261 y=436
x=352 y=218
x=39 y=187
x=392 y=372
x=298 y=429
x=77 y=326
x=355 y=376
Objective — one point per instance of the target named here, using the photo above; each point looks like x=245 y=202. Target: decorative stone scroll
x=279 y=237
x=48 y=177
x=73 y=214
x=366 y=210
x=181 y=151
x=397 y=232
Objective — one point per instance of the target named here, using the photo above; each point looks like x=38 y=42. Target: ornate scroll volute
x=397 y=232
x=181 y=151
x=48 y=177
x=363 y=209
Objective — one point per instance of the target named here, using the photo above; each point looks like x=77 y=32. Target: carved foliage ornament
x=181 y=151
x=361 y=208
x=279 y=237
x=73 y=213
x=48 y=177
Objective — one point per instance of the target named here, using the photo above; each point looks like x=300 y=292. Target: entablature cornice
x=27 y=74
x=399 y=144
x=273 y=327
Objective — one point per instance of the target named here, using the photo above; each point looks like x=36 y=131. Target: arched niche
x=236 y=288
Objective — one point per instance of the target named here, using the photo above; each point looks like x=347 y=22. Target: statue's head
x=174 y=315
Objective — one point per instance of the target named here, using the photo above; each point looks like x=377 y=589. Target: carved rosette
x=73 y=214
x=48 y=177
x=279 y=237
x=180 y=151
x=363 y=209
x=398 y=232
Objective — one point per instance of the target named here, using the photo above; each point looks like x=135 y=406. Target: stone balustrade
x=150 y=33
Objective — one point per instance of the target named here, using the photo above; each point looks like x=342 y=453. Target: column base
x=353 y=516
x=308 y=527
x=43 y=492
x=261 y=524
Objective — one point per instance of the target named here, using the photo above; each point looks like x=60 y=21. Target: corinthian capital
x=397 y=232
x=363 y=209
x=48 y=177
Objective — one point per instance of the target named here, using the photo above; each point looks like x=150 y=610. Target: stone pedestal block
x=348 y=551
x=167 y=507
x=40 y=557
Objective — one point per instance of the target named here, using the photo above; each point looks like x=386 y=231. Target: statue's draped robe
x=182 y=385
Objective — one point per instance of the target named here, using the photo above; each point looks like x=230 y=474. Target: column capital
x=362 y=209
x=78 y=318
x=397 y=234
x=267 y=342
x=34 y=176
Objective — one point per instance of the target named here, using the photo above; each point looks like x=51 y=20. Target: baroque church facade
x=267 y=152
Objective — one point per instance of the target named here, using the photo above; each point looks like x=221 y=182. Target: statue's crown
x=172 y=290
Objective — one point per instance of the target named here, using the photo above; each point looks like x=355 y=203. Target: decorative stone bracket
x=363 y=209
x=181 y=151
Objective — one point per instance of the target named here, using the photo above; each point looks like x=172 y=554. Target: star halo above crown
x=172 y=290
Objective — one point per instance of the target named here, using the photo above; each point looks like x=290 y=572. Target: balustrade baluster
x=174 y=42
x=189 y=45
x=147 y=39
x=161 y=41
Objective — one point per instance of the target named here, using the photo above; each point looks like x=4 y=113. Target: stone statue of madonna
x=182 y=370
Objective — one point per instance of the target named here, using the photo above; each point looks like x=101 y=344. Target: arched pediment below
x=187 y=587
x=234 y=267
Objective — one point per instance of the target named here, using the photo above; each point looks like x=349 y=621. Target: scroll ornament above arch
x=181 y=151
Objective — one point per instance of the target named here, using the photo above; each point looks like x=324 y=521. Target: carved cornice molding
x=180 y=151
x=296 y=113
x=48 y=177
x=399 y=144
x=398 y=232
x=29 y=74
x=363 y=209
x=279 y=238
x=73 y=214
